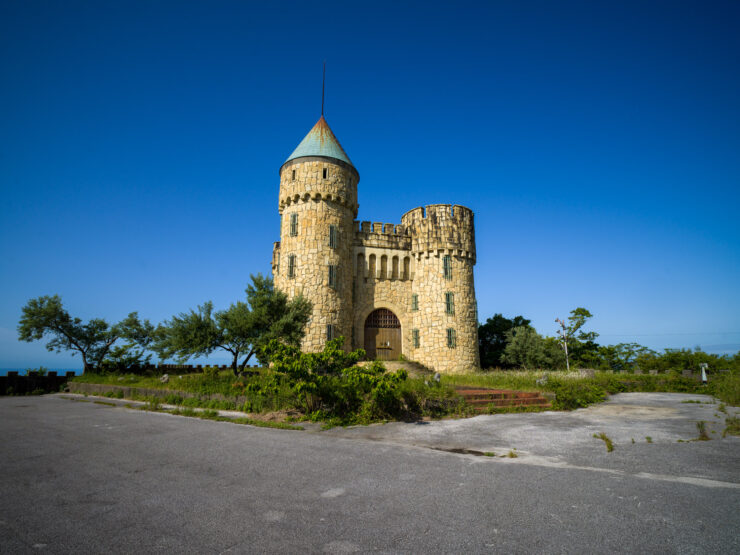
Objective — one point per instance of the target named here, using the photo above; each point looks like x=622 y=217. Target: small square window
x=447 y=264
x=332 y=276
x=449 y=303
x=293 y=225
x=451 y=339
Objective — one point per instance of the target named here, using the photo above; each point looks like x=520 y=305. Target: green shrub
x=330 y=386
x=572 y=394
x=210 y=372
x=726 y=387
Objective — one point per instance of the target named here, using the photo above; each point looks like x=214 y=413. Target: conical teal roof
x=320 y=141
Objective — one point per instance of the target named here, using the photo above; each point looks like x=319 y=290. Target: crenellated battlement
x=316 y=179
x=377 y=234
x=439 y=228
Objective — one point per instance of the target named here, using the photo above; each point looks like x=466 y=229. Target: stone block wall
x=433 y=321
x=318 y=203
x=372 y=293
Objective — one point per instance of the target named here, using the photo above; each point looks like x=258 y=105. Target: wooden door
x=382 y=335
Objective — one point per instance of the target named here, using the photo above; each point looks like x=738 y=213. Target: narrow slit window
x=277 y=265
x=450 y=303
x=326 y=173
x=332 y=276
x=330 y=333
x=447 y=265
x=291 y=266
x=415 y=337
x=414 y=302
x=451 y=339
x=293 y=175
x=293 y=225
x=333 y=236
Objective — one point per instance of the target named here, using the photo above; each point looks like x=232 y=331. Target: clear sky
x=597 y=142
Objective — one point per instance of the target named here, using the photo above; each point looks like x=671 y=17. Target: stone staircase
x=482 y=399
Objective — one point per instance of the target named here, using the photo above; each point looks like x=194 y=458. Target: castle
x=390 y=289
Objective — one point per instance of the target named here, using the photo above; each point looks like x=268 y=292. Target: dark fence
x=13 y=384
x=187 y=368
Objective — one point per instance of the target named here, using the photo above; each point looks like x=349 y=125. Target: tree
x=622 y=357
x=581 y=344
x=46 y=317
x=528 y=349
x=274 y=317
x=492 y=339
x=239 y=330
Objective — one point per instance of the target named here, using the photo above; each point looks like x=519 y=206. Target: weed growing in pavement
x=702 y=427
x=607 y=441
x=732 y=424
x=722 y=408
x=489 y=453
x=512 y=455
x=648 y=439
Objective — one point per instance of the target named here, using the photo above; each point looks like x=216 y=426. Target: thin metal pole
x=323 y=82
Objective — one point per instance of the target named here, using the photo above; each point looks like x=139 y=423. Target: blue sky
x=596 y=142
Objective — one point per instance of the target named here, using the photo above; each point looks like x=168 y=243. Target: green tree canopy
x=492 y=339
x=46 y=317
x=239 y=330
x=527 y=349
x=579 y=345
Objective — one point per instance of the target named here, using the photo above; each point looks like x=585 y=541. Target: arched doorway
x=382 y=335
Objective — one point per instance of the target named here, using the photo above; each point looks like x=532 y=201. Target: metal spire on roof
x=323 y=82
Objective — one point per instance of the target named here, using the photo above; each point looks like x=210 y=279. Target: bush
x=331 y=386
x=575 y=394
x=726 y=387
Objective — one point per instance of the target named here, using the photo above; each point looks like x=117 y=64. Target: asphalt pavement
x=77 y=476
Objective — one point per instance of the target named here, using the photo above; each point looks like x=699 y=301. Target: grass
x=732 y=426
x=607 y=441
x=263 y=390
x=701 y=426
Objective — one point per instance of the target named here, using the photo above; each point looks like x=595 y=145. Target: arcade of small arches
x=383 y=266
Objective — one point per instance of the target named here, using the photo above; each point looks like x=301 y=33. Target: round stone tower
x=317 y=205
x=445 y=313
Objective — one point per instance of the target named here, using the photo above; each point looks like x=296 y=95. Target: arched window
x=360 y=271
x=371 y=270
x=394 y=270
x=406 y=267
x=383 y=267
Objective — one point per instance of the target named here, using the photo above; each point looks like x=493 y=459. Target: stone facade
x=421 y=270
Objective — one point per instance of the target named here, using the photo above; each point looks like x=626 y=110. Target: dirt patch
x=285 y=415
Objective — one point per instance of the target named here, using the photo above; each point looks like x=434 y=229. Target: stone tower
x=317 y=205
x=443 y=249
